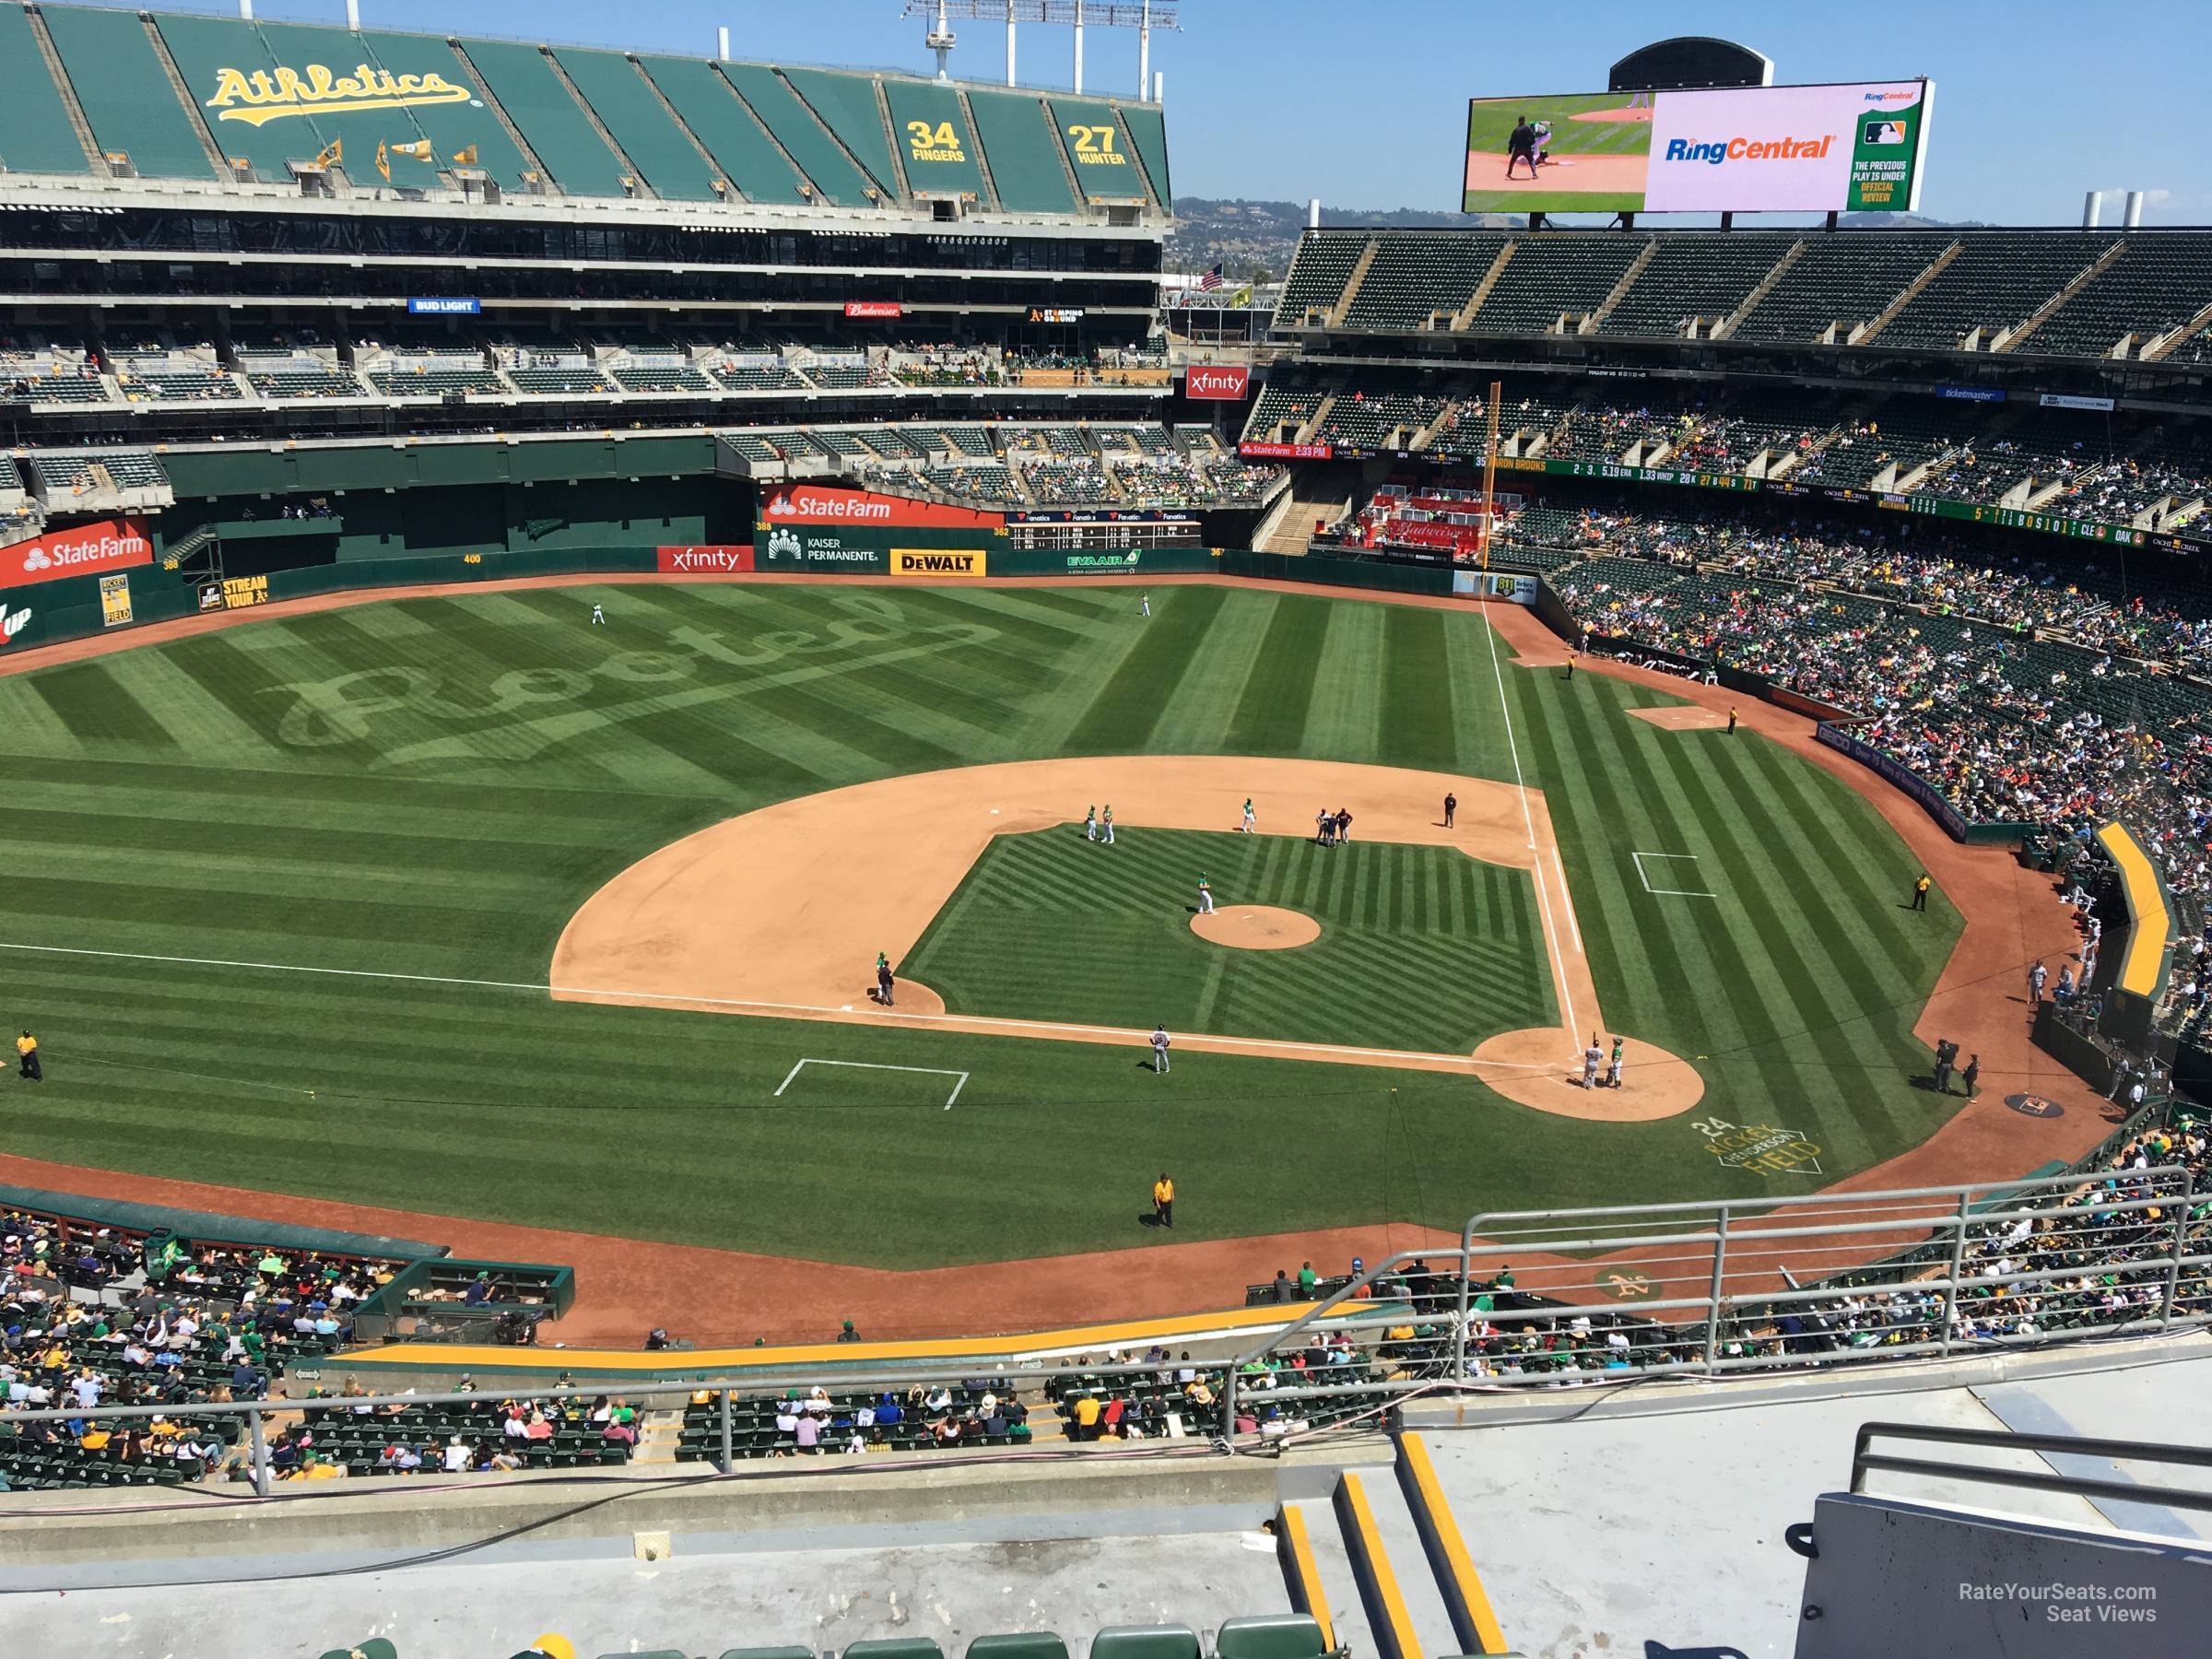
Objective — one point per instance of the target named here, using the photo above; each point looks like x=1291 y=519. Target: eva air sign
x=261 y=95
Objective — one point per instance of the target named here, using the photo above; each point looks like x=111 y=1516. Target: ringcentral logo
x=1713 y=151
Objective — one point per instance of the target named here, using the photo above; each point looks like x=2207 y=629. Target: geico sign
x=112 y=544
x=1225 y=384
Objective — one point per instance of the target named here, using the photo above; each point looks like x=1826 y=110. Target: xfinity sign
x=1223 y=382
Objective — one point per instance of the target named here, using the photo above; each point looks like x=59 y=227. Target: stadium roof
x=91 y=94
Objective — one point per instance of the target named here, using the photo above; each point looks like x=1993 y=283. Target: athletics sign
x=84 y=550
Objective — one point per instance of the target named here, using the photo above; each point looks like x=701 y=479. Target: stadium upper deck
x=107 y=103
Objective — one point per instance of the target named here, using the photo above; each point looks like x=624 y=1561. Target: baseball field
x=460 y=905
x=1598 y=151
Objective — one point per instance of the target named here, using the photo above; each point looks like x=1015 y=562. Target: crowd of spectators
x=2024 y=689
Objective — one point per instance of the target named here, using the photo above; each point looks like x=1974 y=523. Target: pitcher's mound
x=1257 y=927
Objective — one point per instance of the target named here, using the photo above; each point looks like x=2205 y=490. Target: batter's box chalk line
x=934 y=1071
x=1669 y=893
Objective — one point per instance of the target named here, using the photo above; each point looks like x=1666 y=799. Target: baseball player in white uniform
x=1593 y=1057
x=1090 y=824
x=1146 y=601
x=1251 y=824
x=599 y=617
x=1205 y=898
x=1106 y=826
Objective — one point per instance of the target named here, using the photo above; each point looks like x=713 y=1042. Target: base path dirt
x=1256 y=927
x=1576 y=175
x=783 y=912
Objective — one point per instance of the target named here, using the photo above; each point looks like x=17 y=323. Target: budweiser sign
x=83 y=550
x=1223 y=382
x=725 y=560
x=874 y=309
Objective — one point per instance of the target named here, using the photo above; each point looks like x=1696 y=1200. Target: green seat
x=896 y=1647
x=1144 y=1641
x=1270 y=1636
x=1018 y=1644
x=768 y=1653
x=656 y=1654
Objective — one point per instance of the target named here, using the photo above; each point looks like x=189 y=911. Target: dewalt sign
x=930 y=564
x=265 y=95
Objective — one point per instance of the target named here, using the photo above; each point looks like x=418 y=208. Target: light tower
x=1143 y=16
x=940 y=40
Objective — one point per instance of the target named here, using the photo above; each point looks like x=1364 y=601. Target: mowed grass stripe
x=1196 y=720
x=1121 y=715
x=1345 y=718
x=88 y=699
x=1417 y=690
x=1270 y=717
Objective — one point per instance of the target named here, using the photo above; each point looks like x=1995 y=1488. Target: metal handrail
x=1863 y=1460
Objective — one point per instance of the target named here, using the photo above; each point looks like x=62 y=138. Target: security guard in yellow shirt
x=1163 y=1201
x=27 y=1056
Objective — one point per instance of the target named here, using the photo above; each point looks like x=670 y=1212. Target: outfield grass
x=429 y=788
x=1422 y=947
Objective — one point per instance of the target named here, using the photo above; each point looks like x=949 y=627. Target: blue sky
x=1363 y=104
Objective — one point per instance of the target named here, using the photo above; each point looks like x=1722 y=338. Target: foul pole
x=1490 y=483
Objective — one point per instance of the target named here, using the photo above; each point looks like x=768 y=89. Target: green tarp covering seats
x=1270 y=1636
x=1144 y=1641
x=768 y=1653
x=1018 y=1644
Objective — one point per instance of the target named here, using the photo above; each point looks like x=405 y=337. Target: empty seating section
x=545 y=375
x=1278 y=408
x=786 y=446
x=453 y=127
x=971 y=441
x=846 y=103
x=1851 y=276
x=51 y=381
x=1318 y=274
x=177 y=383
x=1554 y=276
x=436 y=375
x=547 y=116
x=2154 y=286
x=283 y=376
x=125 y=92
x=890 y=445
x=1415 y=276
x=1707 y=277
x=923 y=115
x=59 y=477
x=719 y=121
x=134 y=469
x=840 y=444
x=924 y=442
x=1024 y=156
x=835 y=375
x=1148 y=129
x=836 y=181
x=660 y=377
x=1998 y=281
x=757 y=375
x=626 y=106
x=750 y=446
x=34 y=124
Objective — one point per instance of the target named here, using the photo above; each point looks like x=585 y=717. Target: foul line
x=1567 y=902
x=968 y=1023
x=1645 y=875
x=934 y=1071
x=1551 y=932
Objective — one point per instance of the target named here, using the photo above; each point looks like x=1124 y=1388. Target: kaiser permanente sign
x=82 y=551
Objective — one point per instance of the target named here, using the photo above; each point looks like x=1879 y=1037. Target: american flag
x=1210 y=281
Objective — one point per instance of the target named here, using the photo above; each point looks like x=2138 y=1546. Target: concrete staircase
x=1464 y=317
x=1351 y=286
x=1735 y=319
x=658 y=1435
x=1380 y=1562
x=1866 y=331
x=1627 y=280
x=75 y=111
x=2008 y=340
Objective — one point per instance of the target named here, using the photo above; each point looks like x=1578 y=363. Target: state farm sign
x=1225 y=383
x=722 y=559
x=827 y=504
x=1254 y=449
x=84 y=550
